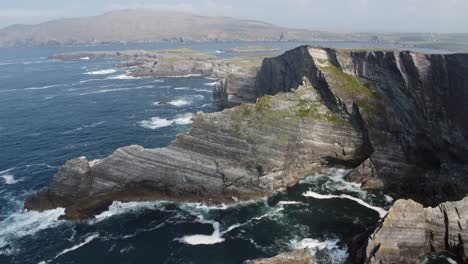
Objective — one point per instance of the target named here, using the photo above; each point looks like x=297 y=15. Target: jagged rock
x=411 y=231
x=366 y=173
x=403 y=112
x=410 y=105
x=298 y=256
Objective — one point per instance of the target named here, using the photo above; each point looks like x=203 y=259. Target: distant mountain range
x=154 y=26
x=146 y=25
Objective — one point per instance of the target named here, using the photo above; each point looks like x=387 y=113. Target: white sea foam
x=289 y=203
x=338 y=255
x=381 y=211
x=185 y=76
x=211 y=83
x=6 y=171
x=182 y=88
x=388 y=199
x=157 y=122
x=177 y=102
x=90 y=80
x=9 y=179
x=85 y=58
x=27 y=223
x=101 y=72
x=215 y=238
x=183 y=119
x=203 y=90
x=118 y=89
x=118 y=208
x=43 y=87
x=75 y=247
x=122 y=77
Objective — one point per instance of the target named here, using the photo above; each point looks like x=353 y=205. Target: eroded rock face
x=298 y=256
x=410 y=105
x=411 y=231
x=396 y=116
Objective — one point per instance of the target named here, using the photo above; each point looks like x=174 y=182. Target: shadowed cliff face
x=412 y=107
x=398 y=117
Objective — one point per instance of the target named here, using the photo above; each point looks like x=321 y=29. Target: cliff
x=397 y=117
x=411 y=231
x=409 y=106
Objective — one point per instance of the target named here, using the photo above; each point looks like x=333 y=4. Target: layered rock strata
x=396 y=116
x=411 y=231
x=411 y=106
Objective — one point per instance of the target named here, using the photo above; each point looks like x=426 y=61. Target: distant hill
x=137 y=25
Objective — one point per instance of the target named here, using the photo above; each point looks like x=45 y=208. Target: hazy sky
x=345 y=15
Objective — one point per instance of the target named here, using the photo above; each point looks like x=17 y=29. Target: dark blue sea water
x=52 y=111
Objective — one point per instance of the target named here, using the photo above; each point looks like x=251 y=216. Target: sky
x=338 y=15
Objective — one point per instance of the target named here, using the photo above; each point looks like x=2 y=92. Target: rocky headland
x=235 y=76
x=398 y=118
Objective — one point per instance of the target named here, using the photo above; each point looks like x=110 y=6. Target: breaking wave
x=157 y=122
x=101 y=72
x=310 y=193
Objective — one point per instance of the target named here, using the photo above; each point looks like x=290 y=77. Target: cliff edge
x=396 y=117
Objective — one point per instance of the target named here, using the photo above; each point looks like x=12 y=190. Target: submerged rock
x=411 y=231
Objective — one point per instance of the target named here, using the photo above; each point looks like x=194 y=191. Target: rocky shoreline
x=397 y=118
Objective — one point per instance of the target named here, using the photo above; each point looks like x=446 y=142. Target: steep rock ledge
x=411 y=231
x=243 y=153
x=396 y=116
x=411 y=106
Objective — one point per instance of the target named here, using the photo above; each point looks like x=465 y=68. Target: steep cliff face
x=410 y=105
x=411 y=231
x=242 y=153
x=398 y=117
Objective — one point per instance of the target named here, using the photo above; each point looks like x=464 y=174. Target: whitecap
x=203 y=90
x=183 y=119
x=90 y=80
x=27 y=223
x=211 y=83
x=7 y=170
x=118 y=208
x=310 y=193
x=157 y=122
x=177 y=102
x=118 y=89
x=215 y=238
x=185 y=76
x=122 y=77
x=9 y=179
x=337 y=254
x=182 y=88
x=85 y=58
x=101 y=72
x=43 y=87
x=75 y=247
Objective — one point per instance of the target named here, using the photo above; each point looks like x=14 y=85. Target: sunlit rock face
x=398 y=117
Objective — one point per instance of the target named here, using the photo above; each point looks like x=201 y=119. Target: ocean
x=52 y=111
